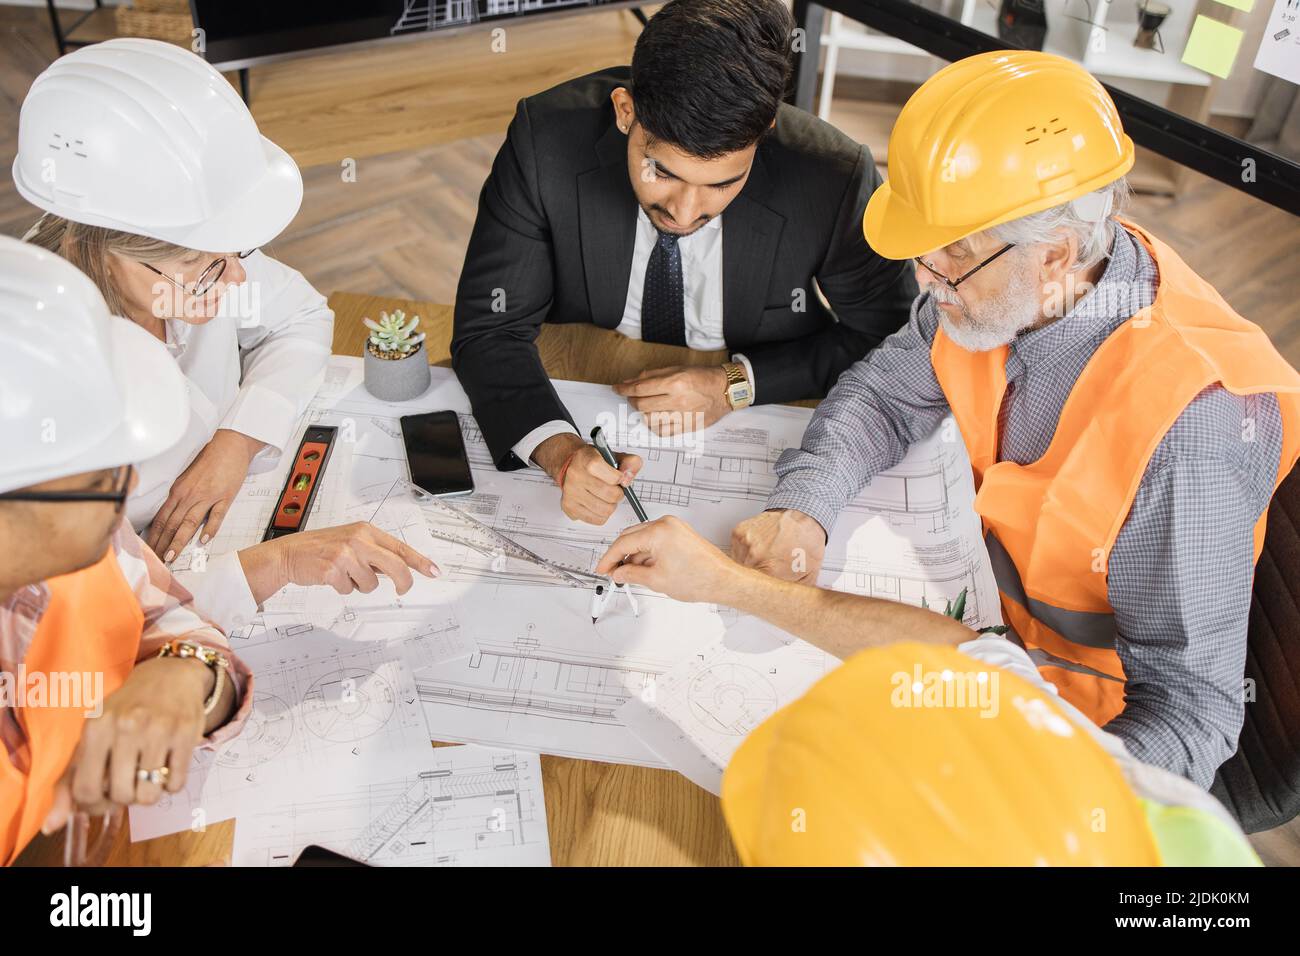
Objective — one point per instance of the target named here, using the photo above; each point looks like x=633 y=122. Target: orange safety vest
x=92 y=623
x=1050 y=525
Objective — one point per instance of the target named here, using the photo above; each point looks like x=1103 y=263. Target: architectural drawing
x=546 y=678
x=455 y=806
x=542 y=676
x=713 y=480
x=697 y=713
x=927 y=545
x=325 y=708
x=910 y=534
x=731 y=698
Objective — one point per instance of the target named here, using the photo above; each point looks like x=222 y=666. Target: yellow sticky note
x=1246 y=5
x=1212 y=46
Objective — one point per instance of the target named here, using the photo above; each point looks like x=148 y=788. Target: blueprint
x=912 y=535
x=696 y=714
x=509 y=656
x=456 y=806
x=547 y=678
x=325 y=708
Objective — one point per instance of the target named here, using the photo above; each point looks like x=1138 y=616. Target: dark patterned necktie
x=663 y=310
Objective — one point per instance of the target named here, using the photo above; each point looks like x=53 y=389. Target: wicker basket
x=158 y=19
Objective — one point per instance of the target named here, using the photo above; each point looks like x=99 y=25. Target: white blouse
x=252 y=369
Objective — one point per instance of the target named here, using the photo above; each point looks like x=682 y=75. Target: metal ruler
x=570 y=574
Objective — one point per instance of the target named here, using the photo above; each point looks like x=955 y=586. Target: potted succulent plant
x=397 y=366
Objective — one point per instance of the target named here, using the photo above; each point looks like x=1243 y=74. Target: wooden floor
x=423 y=120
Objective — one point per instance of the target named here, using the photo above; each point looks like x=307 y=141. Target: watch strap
x=735 y=373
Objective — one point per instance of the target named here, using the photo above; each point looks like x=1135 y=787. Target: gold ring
x=158 y=776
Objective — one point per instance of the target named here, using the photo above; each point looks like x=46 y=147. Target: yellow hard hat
x=906 y=756
x=989 y=139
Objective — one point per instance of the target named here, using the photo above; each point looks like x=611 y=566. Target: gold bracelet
x=217 y=661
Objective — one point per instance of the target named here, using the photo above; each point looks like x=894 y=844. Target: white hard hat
x=80 y=389
x=147 y=137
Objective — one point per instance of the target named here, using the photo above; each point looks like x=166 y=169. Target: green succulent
x=393 y=336
x=957 y=610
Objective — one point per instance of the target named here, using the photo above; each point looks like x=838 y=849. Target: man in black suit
x=608 y=202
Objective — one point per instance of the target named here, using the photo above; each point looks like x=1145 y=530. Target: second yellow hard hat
x=907 y=756
x=989 y=139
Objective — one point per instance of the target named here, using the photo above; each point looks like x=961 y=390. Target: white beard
x=997 y=320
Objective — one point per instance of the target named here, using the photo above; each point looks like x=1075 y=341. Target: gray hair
x=1089 y=219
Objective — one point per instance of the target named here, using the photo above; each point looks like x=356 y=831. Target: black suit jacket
x=554 y=237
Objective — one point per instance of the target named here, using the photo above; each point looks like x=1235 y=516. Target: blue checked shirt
x=1181 y=570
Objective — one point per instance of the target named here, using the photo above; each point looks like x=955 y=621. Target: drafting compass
x=605 y=593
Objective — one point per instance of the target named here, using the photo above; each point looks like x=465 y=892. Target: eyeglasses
x=118 y=495
x=209 y=277
x=953 y=283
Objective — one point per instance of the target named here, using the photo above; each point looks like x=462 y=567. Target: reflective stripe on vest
x=1089 y=628
x=1042 y=658
x=92 y=624
x=1050 y=525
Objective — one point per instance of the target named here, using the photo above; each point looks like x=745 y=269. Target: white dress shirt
x=252 y=369
x=701 y=281
x=702 y=286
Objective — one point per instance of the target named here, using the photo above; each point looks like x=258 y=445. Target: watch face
x=739 y=393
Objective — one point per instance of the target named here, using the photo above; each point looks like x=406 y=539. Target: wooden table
x=598 y=814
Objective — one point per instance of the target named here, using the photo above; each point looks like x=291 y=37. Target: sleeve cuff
x=263 y=415
x=220 y=592
x=221 y=595
x=821 y=509
x=749 y=374
x=525 y=447
x=242 y=680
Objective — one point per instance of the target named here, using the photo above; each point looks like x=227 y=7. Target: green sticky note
x=1212 y=46
x=1246 y=5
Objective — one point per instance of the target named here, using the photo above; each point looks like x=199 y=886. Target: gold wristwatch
x=739 y=392
x=214 y=659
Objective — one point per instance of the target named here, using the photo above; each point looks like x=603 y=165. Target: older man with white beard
x=1126 y=428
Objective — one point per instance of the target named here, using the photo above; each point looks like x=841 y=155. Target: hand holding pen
x=602 y=446
x=590 y=485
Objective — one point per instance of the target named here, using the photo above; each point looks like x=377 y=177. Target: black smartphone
x=435 y=454
x=313 y=855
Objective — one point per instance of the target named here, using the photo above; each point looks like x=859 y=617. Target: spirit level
x=304 y=478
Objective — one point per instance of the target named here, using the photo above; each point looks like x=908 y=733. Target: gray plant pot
x=397 y=380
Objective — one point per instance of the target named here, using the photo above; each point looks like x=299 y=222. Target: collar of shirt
x=1098 y=313
x=178 y=333
x=19 y=615
x=692 y=246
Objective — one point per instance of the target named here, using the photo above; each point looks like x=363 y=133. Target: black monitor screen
x=239 y=30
